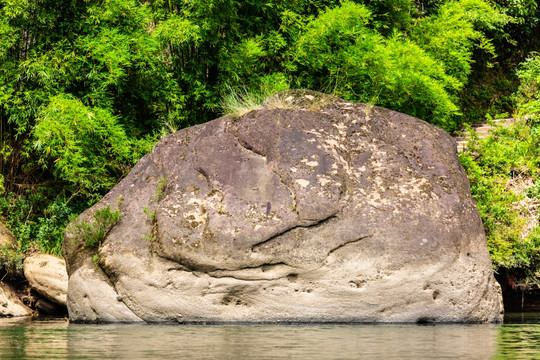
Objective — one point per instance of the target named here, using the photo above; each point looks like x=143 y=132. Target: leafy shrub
x=528 y=95
x=452 y=34
x=534 y=192
x=493 y=164
x=51 y=226
x=38 y=219
x=339 y=52
x=11 y=261
x=86 y=145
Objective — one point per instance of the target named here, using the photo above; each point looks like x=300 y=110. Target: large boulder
x=47 y=275
x=318 y=210
x=10 y=305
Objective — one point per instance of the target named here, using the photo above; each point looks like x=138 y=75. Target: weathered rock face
x=10 y=305
x=325 y=211
x=47 y=275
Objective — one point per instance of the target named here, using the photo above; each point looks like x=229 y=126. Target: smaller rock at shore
x=47 y=275
x=10 y=305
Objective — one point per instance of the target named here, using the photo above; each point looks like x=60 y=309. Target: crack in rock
x=349 y=242
x=317 y=223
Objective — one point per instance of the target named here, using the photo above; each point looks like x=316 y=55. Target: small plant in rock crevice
x=95 y=260
x=151 y=214
x=160 y=188
x=152 y=217
x=149 y=237
x=93 y=234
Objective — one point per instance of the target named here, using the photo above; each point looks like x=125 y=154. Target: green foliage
x=493 y=165
x=161 y=187
x=149 y=237
x=151 y=214
x=38 y=219
x=390 y=16
x=86 y=145
x=339 y=52
x=11 y=261
x=93 y=234
x=528 y=95
x=95 y=260
x=534 y=192
x=493 y=81
x=489 y=94
x=420 y=75
x=452 y=34
x=521 y=10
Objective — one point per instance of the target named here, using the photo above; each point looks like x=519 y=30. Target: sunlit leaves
x=504 y=174
x=177 y=30
x=528 y=95
x=340 y=53
x=15 y=8
x=452 y=34
x=86 y=145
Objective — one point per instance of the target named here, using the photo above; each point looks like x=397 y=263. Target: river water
x=517 y=338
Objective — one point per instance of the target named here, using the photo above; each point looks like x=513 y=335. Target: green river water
x=517 y=338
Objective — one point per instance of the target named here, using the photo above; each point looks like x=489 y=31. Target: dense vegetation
x=504 y=170
x=87 y=87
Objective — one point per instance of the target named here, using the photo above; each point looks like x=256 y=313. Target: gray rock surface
x=10 y=305
x=321 y=211
x=47 y=275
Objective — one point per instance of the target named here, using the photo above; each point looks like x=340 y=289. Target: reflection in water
x=22 y=338
x=296 y=341
x=519 y=337
x=57 y=339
